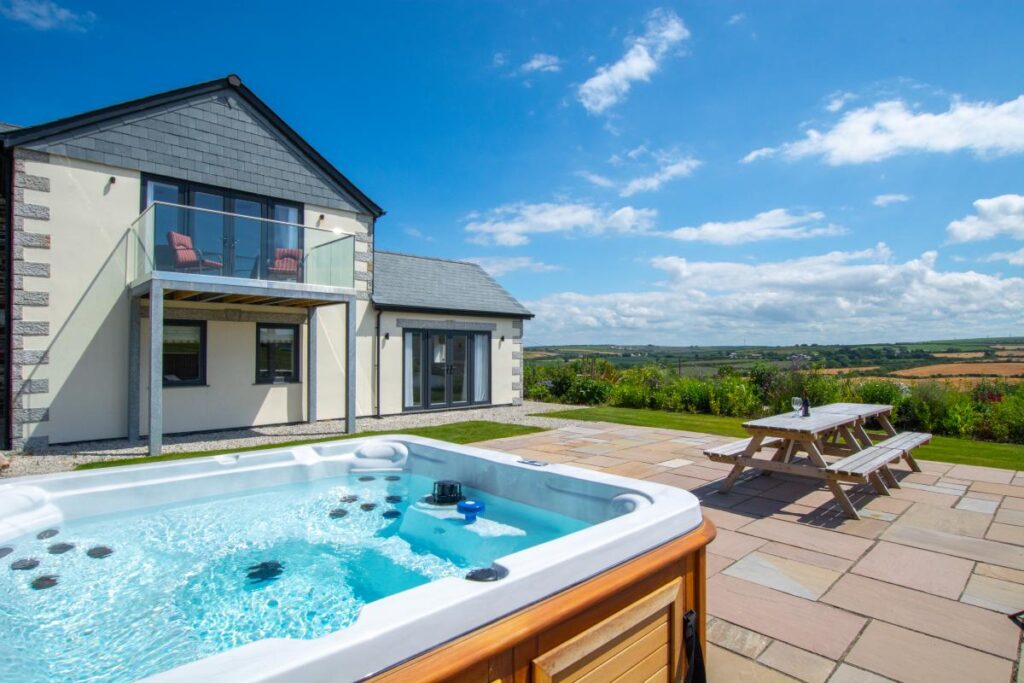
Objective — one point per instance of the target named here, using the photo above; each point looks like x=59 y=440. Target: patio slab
x=995 y=594
x=789 y=576
x=812 y=626
x=724 y=666
x=915 y=568
x=904 y=655
x=809 y=538
x=736 y=638
x=798 y=663
x=948 y=619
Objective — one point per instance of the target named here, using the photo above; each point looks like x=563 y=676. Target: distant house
x=187 y=262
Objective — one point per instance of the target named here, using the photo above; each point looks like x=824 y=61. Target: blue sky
x=673 y=173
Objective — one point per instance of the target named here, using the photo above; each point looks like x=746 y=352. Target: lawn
x=942 y=448
x=458 y=432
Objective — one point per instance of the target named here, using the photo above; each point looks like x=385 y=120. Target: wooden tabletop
x=822 y=419
x=790 y=423
x=862 y=410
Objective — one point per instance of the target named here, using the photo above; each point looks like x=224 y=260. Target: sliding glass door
x=445 y=369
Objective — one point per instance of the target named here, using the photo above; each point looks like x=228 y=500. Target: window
x=277 y=353
x=445 y=369
x=413 y=370
x=184 y=353
x=229 y=229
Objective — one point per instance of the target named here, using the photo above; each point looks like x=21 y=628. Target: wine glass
x=797 y=404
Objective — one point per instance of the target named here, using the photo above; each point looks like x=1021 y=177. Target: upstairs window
x=277 y=353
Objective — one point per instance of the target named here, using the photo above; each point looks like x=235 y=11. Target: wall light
x=503 y=339
x=387 y=335
x=112 y=180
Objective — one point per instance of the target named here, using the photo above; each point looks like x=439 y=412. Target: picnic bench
x=836 y=430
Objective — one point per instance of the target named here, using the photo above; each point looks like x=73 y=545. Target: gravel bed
x=63 y=458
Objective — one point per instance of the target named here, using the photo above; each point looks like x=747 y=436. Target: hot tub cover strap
x=694 y=656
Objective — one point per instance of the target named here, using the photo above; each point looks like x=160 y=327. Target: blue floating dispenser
x=470 y=508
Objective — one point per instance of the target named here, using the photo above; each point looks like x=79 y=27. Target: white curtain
x=408 y=369
x=481 y=367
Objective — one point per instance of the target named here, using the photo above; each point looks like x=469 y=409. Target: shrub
x=735 y=397
x=588 y=391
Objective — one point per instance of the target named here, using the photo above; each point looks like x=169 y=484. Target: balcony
x=184 y=244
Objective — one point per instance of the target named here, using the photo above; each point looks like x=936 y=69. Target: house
x=187 y=262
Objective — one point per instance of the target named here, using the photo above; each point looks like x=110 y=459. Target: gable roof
x=405 y=281
x=31 y=134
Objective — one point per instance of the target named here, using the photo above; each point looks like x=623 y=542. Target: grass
x=942 y=448
x=470 y=431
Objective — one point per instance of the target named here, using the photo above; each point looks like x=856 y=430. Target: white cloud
x=887 y=199
x=498 y=265
x=758 y=154
x=45 y=15
x=890 y=128
x=596 y=179
x=838 y=100
x=612 y=82
x=1002 y=215
x=542 y=62
x=511 y=225
x=1014 y=258
x=843 y=297
x=669 y=169
x=768 y=225
x=736 y=18
x=499 y=59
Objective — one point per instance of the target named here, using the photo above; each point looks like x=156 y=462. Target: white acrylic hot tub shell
x=406 y=624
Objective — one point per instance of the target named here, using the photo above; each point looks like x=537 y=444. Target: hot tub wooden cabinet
x=623 y=625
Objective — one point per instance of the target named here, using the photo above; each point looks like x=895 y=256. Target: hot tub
x=333 y=562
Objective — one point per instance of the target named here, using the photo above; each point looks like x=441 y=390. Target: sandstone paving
x=994 y=593
x=993 y=552
x=845 y=673
x=809 y=625
x=798 y=663
x=736 y=638
x=735 y=545
x=975 y=473
x=724 y=666
x=954 y=621
x=1010 y=516
x=971 y=504
x=783 y=574
x=997 y=572
x=727 y=519
x=809 y=538
x=838 y=564
x=912 y=657
x=959 y=522
x=1007 y=533
x=915 y=568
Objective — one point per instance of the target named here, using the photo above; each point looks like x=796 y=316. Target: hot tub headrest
x=383 y=450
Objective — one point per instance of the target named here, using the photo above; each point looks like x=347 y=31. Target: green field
x=942 y=448
x=459 y=432
x=703 y=361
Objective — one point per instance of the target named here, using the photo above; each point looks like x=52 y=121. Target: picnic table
x=834 y=430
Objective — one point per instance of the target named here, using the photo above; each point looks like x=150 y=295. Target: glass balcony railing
x=186 y=239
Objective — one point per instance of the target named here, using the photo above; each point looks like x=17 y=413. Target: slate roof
x=121 y=113
x=405 y=281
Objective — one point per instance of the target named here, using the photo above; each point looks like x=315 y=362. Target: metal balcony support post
x=350 y=366
x=311 y=363
x=156 y=368
x=134 y=366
